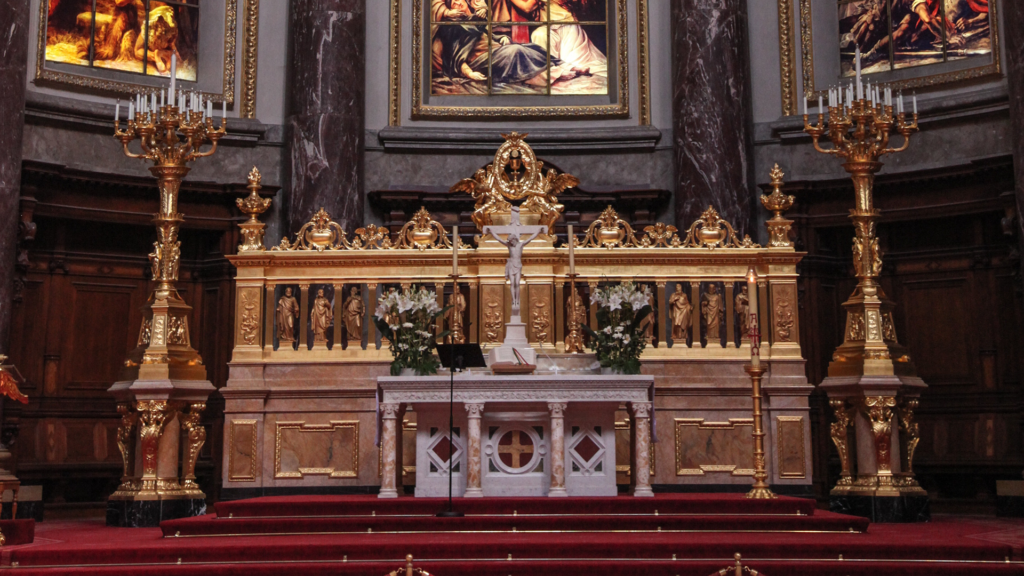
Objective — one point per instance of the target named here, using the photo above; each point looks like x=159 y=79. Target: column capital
x=557 y=409
x=641 y=409
x=389 y=410
x=474 y=409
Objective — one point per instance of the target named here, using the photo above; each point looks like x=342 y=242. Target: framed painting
x=906 y=44
x=519 y=58
x=124 y=45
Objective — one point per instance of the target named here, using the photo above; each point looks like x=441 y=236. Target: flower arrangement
x=621 y=311
x=406 y=319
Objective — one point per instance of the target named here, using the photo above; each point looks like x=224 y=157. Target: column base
x=906 y=508
x=387 y=493
x=558 y=493
x=473 y=493
x=150 y=513
x=643 y=493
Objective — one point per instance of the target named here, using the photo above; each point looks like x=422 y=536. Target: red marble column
x=326 y=118
x=712 y=110
x=1013 y=21
x=13 y=67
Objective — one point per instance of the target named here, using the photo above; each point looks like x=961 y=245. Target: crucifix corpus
x=517 y=236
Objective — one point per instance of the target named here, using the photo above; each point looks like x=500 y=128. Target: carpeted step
x=211 y=526
x=371 y=505
x=18 y=531
x=498 y=546
x=552 y=568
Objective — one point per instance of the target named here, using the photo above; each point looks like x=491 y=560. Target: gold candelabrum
x=574 y=343
x=871 y=379
x=170 y=135
x=760 y=489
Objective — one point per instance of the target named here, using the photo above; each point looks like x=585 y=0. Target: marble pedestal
x=539 y=435
x=880 y=408
x=155 y=415
x=515 y=341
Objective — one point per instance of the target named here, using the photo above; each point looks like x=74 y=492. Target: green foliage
x=620 y=340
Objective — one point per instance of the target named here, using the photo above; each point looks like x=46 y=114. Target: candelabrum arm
x=817 y=146
x=906 y=144
x=131 y=154
x=213 y=148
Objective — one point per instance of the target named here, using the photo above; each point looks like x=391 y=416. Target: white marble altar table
x=535 y=428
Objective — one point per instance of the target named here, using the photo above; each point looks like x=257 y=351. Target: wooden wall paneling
x=29 y=321
x=98 y=333
x=942 y=341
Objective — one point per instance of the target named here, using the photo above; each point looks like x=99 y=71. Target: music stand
x=456 y=357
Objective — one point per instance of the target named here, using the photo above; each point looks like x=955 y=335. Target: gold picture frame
x=85 y=80
x=788 y=55
x=424 y=111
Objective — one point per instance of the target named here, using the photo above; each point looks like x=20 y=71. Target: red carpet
x=18 y=531
x=698 y=535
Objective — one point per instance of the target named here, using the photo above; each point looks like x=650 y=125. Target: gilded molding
x=426 y=111
x=643 y=61
x=395 y=83
x=119 y=87
x=250 y=52
x=787 y=56
x=806 y=36
x=309 y=428
x=236 y=425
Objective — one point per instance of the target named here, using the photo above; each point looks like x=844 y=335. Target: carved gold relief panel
x=791 y=458
x=302 y=449
x=248 y=316
x=492 y=303
x=541 y=320
x=244 y=452
x=714 y=447
x=784 y=313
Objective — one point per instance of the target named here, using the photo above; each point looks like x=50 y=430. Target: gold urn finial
x=777 y=202
x=253 y=205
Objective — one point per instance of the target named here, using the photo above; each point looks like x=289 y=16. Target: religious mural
x=898 y=34
x=136 y=36
x=546 y=47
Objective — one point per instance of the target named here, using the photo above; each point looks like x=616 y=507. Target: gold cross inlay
x=517 y=449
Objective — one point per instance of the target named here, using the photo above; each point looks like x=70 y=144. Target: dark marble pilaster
x=326 y=117
x=712 y=110
x=1013 y=22
x=13 y=67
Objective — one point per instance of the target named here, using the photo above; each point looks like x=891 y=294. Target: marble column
x=712 y=111
x=642 y=449
x=474 y=464
x=13 y=67
x=1013 y=22
x=389 y=451
x=326 y=116
x=557 y=410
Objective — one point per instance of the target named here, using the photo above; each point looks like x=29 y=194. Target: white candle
x=131 y=110
x=152 y=98
x=821 y=106
x=224 y=108
x=752 y=317
x=174 y=70
x=860 y=87
x=572 y=251
x=209 y=109
x=117 y=112
x=455 y=251
x=915 y=103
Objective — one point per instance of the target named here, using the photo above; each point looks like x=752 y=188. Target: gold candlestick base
x=760 y=490
x=574 y=343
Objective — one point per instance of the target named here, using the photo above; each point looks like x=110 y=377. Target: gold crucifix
x=517 y=449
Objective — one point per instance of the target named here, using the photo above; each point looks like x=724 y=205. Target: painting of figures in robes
x=500 y=47
x=136 y=36
x=898 y=34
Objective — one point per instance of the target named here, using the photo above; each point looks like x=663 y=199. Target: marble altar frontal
x=539 y=435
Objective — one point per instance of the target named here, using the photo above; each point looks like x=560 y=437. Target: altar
x=536 y=435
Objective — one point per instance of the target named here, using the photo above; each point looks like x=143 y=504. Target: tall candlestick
x=572 y=251
x=455 y=251
x=174 y=70
x=860 y=87
x=752 y=318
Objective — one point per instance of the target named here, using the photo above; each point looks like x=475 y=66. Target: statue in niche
x=355 y=310
x=453 y=316
x=287 y=312
x=681 y=311
x=322 y=317
x=647 y=324
x=742 y=302
x=711 y=309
